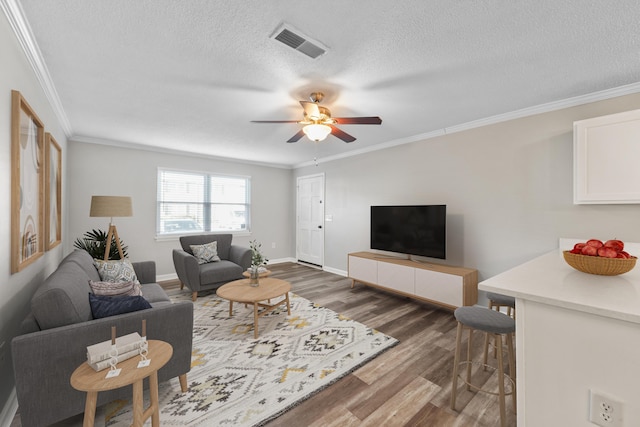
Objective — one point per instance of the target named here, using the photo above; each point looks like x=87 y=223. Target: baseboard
x=10 y=408
x=166 y=277
x=335 y=271
x=281 y=260
x=174 y=276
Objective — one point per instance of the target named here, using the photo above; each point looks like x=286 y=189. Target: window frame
x=207 y=204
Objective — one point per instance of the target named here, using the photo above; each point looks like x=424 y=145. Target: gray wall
x=16 y=289
x=107 y=170
x=508 y=188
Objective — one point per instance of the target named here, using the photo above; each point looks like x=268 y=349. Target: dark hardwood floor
x=409 y=384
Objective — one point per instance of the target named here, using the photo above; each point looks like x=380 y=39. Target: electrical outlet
x=273 y=245
x=605 y=410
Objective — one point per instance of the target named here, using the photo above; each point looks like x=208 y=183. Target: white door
x=310 y=219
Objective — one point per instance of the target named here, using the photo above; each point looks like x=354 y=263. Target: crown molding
x=15 y=15
x=524 y=112
x=142 y=147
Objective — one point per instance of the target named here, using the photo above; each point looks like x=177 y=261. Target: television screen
x=414 y=230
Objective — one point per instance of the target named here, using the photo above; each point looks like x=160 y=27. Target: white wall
x=508 y=188
x=16 y=289
x=566 y=354
x=107 y=170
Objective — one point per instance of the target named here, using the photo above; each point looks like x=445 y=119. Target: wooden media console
x=443 y=285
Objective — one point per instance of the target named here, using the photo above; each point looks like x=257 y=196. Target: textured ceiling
x=191 y=75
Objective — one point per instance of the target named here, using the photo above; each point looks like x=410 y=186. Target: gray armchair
x=234 y=260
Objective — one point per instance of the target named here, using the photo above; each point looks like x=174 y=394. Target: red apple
x=590 y=250
x=623 y=254
x=595 y=243
x=579 y=246
x=607 y=252
x=575 y=251
x=616 y=244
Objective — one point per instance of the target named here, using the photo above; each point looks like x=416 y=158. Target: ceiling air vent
x=298 y=41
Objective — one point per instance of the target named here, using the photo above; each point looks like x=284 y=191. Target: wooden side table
x=85 y=378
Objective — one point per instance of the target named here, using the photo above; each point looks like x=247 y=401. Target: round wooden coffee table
x=241 y=291
x=85 y=378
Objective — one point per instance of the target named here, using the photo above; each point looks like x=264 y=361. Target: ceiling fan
x=319 y=123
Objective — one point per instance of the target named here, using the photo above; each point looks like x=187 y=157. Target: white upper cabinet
x=606 y=159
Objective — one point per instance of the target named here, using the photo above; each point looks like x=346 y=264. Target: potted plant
x=94 y=242
x=257 y=261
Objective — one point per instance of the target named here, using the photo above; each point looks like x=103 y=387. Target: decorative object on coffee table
x=262 y=272
x=110 y=206
x=257 y=260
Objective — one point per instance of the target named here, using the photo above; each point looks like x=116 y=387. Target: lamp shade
x=110 y=206
x=316 y=132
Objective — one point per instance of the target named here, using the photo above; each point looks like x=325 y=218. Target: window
x=191 y=202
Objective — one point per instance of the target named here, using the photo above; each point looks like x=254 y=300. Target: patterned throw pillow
x=120 y=270
x=115 y=289
x=206 y=253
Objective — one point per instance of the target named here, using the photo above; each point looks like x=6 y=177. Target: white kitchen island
x=575 y=332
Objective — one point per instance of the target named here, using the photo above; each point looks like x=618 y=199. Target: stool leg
x=469 y=344
x=494 y=306
x=512 y=369
x=456 y=362
x=486 y=350
x=503 y=414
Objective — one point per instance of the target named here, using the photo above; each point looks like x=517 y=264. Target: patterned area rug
x=236 y=380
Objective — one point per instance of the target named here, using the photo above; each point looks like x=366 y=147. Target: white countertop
x=548 y=279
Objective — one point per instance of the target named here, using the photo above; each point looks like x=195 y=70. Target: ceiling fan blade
x=274 y=121
x=311 y=110
x=296 y=137
x=358 y=120
x=342 y=135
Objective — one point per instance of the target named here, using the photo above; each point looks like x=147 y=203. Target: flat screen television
x=414 y=230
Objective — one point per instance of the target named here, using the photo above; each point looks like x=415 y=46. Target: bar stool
x=496 y=302
x=492 y=323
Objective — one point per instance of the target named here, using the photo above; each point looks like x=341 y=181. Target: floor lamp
x=110 y=206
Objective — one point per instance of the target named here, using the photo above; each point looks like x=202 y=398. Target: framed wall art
x=53 y=193
x=27 y=192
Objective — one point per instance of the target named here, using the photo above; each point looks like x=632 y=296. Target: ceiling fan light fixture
x=316 y=132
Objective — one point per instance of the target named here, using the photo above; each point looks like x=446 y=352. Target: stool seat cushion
x=502 y=299
x=485 y=320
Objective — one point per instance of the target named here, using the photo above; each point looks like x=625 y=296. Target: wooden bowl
x=599 y=265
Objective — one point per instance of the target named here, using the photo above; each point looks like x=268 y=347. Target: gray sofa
x=60 y=327
x=234 y=260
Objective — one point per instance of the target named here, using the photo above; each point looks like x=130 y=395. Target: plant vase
x=254 y=275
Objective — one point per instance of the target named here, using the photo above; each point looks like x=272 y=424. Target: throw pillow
x=206 y=253
x=120 y=270
x=104 y=306
x=115 y=289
